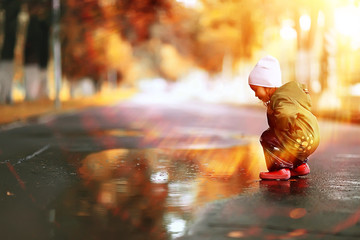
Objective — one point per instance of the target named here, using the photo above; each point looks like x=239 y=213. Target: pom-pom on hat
x=266 y=73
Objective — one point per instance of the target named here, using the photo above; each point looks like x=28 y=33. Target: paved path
x=151 y=170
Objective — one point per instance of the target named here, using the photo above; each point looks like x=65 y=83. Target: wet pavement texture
x=136 y=170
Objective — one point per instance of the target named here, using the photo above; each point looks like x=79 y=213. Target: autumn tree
x=232 y=28
x=98 y=35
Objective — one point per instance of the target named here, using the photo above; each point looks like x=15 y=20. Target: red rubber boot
x=282 y=174
x=301 y=170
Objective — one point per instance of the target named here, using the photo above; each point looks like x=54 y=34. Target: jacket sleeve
x=285 y=113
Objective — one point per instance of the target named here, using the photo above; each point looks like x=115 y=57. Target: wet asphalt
x=140 y=170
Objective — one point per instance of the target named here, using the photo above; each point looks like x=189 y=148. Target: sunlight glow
x=287 y=31
x=176 y=226
x=355 y=90
x=189 y=3
x=160 y=177
x=305 y=22
x=345 y=19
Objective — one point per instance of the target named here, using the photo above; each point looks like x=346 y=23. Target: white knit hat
x=266 y=73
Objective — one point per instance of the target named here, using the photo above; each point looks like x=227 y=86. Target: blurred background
x=140 y=167
x=204 y=49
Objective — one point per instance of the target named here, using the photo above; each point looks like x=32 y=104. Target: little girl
x=293 y=133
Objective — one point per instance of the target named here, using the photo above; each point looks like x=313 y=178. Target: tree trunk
x=9 y=11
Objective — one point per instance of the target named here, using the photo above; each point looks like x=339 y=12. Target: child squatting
x=293 y=133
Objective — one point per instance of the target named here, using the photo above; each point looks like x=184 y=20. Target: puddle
x=152 y=193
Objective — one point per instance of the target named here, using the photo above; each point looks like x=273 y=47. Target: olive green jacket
x=289 y=115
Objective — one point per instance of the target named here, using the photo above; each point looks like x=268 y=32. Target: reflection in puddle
x=283 y=188
x=153 y=193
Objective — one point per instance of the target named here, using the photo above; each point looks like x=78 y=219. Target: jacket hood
x=296 y=91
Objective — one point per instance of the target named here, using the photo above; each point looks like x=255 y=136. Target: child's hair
x=266 y=73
